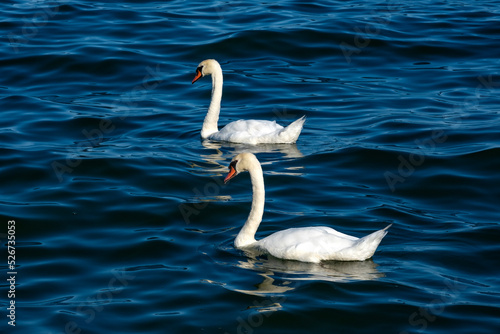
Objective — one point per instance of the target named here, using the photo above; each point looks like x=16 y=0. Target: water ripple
x=123 y=222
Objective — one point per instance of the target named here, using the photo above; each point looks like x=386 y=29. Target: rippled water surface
x=122 y=221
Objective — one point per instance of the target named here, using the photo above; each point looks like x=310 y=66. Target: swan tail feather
x=364 y=248
x=291 y=133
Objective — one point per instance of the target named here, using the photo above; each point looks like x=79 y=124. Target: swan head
x=241 y=163
x=208 y=66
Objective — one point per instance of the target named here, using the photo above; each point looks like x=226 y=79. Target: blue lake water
x=123 y=225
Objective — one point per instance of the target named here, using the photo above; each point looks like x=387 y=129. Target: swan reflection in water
x=217 y=163
x=286 y=271
x=219 y=159
x=279 y=276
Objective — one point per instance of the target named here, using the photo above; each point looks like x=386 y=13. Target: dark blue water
x=122 y=223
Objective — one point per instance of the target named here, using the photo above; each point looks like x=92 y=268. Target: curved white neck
x=247 y=233
x=212 y=117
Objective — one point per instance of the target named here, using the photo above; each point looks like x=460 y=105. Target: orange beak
x=197 y=76
x=231 y=174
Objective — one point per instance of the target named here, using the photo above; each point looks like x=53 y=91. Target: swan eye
x=199 y=70
x=233 y=164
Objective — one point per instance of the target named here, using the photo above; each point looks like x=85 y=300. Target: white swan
x=241 y=131
x=306 y=244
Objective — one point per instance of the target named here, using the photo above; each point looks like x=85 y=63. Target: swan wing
x=246 y=131
x=309 y=244
x=259 y=132
x=315 y=244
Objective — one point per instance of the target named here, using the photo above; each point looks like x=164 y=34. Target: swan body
x=242 y=131
x=306 y=244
